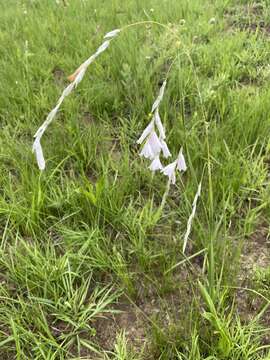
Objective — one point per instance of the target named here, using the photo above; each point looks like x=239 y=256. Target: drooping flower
x=179 y=164
x=154 y=144
x=165 y=150
x=146 y=132
x=169 y=171
x=156 y=164
x=151 y=147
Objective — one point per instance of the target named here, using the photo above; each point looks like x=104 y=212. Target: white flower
x=112 y=34
x=159 y=124
x=147 y=151
x=181 y=163
x=165 y=149
x=156 y=164
x=169 y=171
x=151 y=147
x=147 y=131
x=154 y=143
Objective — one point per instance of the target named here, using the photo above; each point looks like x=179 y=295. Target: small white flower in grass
x=147 y=151
x=146 y=132
x=189 y=223
x=156 y=164
x=152 y=146
x=179 y=164
x=165 y=150
x=169 y=171
x=159 y=124
x=154 y=142
x=112 y=34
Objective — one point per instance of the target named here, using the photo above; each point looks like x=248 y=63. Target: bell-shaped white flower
x=151 y=147
x=147 y=151
x=181 y=163
x=146 y=132
x=159 y=125
x=169 y=171
x=156 y=164
x=154 y=143
x=165 y=150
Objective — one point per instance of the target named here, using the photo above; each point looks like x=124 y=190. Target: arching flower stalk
x=75 y=79
x=193 y=212
x=154 y=144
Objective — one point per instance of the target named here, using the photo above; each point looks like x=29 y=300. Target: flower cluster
x=75 y=79
x=155 y=144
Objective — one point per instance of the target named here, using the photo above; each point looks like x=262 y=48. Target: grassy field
x=91 y=263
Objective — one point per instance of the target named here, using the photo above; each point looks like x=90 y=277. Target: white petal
x=159 y=98
x=159 y=124
x=147 y=151
x=154 y=142
x=37 y=149
x=156 y=165
x=112 y=33
x=149 y=128
x=181 y=163
x=169 y=170
x=165 y=149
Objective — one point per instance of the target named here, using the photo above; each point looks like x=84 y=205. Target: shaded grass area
x=83 y=242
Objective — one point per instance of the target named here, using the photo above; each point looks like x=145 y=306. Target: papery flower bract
x=193 y=212
x=181 y=163
x=147 y=131
x=156 y=164
x=159 y=98
x=112 y=33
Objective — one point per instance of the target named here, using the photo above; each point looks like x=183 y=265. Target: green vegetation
x=90 y=266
